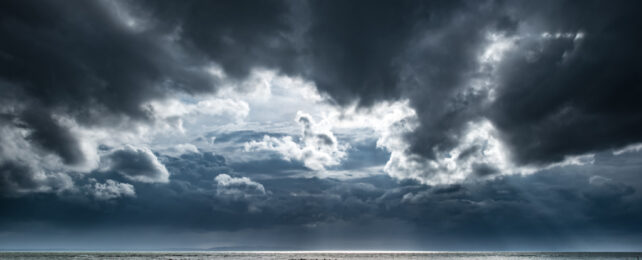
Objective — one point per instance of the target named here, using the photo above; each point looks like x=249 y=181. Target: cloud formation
x=110 y=189
x=458 y=63
x=463 y=118
x=316 y=148
x=137 y=164
x=229 y=186
x=577 y=199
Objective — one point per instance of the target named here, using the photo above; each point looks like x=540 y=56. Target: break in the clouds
x=516 y=120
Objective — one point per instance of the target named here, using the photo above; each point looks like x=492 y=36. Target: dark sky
x=379 y=125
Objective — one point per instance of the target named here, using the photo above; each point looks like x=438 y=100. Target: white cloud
x=478 y=154
x=629 y=148
x=109 y=190
x=317 y=147
x=237 y=188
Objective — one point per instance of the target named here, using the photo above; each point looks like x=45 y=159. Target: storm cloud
x=578 y=200
x=459 y=119
x=138 y=164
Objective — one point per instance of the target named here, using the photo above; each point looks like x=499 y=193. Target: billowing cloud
x=110 y=189
x=137 y=164
x=569 y=79
x=463 y=64
x=457 y=64
x=237 y=187
x=316 y=148
x=454 y=118
x=25 y=167
x=19 y=179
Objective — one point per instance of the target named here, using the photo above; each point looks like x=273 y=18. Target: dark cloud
x=567 y=96
x=483 y=170
x=366 y=51
x=195 y=168
x=137 y=164
x=16 y=177
x=19 y=178
x=238 y=35
x=554 y=97
x=568 y=84
x=80 y=62
x=351 y=47
x=561 y=203
x=442 y=63
x=50 y=135
x=106 y=68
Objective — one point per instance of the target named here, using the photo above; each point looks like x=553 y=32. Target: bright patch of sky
x=285 y=116
x=269 y=114
x=288 y=117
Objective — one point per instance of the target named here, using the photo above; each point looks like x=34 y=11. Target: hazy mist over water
x=318 y=255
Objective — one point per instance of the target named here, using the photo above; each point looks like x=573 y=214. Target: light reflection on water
x=352 y=255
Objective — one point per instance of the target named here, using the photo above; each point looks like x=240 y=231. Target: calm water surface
x=314 y=255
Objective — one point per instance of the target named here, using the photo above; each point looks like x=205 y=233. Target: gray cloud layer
x=560 y=206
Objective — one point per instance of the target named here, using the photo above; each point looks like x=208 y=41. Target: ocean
x=316 y=255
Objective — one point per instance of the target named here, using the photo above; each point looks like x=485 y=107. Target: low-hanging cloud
x=137 y=164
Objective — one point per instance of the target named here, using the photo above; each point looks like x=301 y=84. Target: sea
x=318 y=255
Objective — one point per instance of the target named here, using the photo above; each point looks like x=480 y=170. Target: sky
x=321 y=125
